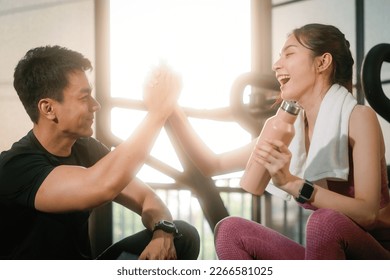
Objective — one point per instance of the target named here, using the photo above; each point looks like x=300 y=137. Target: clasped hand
x=275 y=157
x=161 y=90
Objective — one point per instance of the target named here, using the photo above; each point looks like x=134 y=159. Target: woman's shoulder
x=362 y=114
x=363 y=109
x=364 y=124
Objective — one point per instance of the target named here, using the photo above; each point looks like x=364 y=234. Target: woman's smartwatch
x=306 y=192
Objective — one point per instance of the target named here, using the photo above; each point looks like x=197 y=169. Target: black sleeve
x=97 y=150
x=22 y=171
x=89 y=151
x=21 y=175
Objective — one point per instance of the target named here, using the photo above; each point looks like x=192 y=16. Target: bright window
x=206 y=41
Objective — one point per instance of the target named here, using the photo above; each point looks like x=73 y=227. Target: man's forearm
x=120 y=166
x=154 y=210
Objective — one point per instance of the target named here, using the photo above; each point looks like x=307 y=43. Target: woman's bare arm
x=208 y=162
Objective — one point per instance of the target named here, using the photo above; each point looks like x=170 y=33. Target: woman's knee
x=228 y=225
x=326 y=221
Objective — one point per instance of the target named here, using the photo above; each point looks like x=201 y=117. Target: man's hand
x=161 y=247
x=161 y=90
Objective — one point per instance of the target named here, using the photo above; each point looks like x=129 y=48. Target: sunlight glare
x=206 y=41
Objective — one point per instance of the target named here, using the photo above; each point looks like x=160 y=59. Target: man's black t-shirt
x=25 y=232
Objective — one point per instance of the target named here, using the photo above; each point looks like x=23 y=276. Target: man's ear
x=46 y=109
x=324 y=62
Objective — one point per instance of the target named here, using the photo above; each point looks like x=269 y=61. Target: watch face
x=166 y=226
x=307 y=190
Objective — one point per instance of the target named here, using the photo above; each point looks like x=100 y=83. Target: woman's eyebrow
x=286 y=48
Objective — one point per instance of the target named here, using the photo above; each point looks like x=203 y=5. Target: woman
x=335 y=164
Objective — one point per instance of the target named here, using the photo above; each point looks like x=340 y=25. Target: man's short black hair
x=43 y=73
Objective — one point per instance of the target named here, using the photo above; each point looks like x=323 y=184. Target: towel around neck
x=327 y=157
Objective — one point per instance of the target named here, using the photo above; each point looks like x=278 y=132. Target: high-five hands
x=161 y=90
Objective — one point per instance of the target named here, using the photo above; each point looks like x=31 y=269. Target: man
x=53 y=177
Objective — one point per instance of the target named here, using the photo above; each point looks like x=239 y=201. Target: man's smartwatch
x=167 y=226
x=306 y=192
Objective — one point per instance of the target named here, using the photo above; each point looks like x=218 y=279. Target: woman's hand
x=161 y=90
x=275 y=157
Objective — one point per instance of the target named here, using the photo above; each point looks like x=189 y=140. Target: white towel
x=327 y=157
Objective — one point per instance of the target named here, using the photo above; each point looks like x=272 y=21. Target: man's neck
x=53 y=141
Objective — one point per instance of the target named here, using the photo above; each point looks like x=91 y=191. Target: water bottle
x=280 y=127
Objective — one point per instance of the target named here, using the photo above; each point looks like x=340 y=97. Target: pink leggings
x=329 y=235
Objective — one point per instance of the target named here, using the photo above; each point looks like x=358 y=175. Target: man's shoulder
x=22 y=168
x=22 y=147
x=90 y=143
x=91 y=149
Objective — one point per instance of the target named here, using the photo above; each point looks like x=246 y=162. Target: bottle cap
x=290 y=107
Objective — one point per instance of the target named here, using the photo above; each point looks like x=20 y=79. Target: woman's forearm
x=203 y=157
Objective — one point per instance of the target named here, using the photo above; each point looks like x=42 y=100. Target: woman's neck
x=311 y=104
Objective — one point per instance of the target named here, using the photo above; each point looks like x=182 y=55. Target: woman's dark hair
x=43 y=73
x=320 y=39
